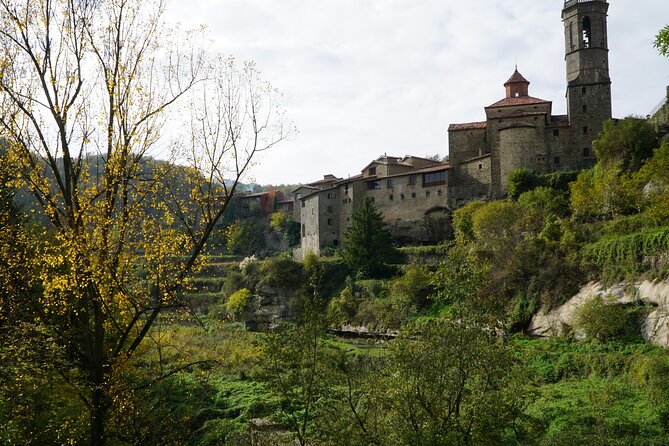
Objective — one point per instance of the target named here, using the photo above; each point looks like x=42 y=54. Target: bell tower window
x=587 y=32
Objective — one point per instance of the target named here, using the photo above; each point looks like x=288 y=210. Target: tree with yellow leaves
x=90 y=91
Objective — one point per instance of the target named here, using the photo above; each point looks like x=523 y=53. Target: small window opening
x=585 y=130
x=480 y=166
x=556 y=132
x=587 y=32
x=582 y=90
x=401 y=196
x=585 y=108
x=556 y=160
x=427 y=193
x=586 y=152
x=439 y=192
x=413 y=194
x=392 y=197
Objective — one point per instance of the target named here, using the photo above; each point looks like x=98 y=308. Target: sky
x=364 y=78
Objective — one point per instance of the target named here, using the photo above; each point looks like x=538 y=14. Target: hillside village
x=417 y=195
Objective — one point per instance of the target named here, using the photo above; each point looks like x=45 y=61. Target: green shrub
x=462 y=221
x=600 y=318
x=237 y=302
x=411 y=290
x=520 y=181
x=282 y=272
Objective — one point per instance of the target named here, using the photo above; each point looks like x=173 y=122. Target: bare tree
x=91 y=90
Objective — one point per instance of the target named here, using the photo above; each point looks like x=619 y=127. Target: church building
x=521 y=131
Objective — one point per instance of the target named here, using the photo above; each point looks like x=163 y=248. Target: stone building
x=416 y=195
x=521 y=131
x=410 y=191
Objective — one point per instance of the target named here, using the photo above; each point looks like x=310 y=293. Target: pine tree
x=368 y=243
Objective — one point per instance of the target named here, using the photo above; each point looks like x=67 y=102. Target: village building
x=417 y=195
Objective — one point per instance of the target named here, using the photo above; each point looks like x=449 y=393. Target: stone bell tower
x=587 y=60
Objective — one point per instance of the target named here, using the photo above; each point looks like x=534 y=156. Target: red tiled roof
x=522 y=100
x=516 y=78
x=467 y=126
x=442 y=166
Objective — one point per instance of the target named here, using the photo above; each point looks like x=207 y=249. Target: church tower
x=587 y=60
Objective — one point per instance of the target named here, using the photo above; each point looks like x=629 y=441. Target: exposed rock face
x=654 y=328
x=272 y=308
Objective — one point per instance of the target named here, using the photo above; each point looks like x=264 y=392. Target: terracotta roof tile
x=523 y=100
x=467 y=126
x=516 y=78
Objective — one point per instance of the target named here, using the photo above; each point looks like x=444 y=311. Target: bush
x=520 y=181
x=600 y=318
x=412 y=289
x=237 y=302
x=282 y=272
x=462 y=221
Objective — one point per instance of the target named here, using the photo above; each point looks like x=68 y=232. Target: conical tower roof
x=516 y=78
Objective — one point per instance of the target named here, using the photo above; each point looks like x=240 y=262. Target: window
x=582 y=90
x=434 y=178
x=556 y=160
x=373 y=199
x=556 y=132
x=335 y=242
x=346 y=189
x=401 y=196
x=413 y=194
x=389 y=183
x=585 y=130
x=330 y=209
x=303 y=204
x=480 y=166
x=329 y=222
x=304 y=232
x=586 y=152
x=332 y=195
x=391 y=197
x=371 y=185
x=439 y=192
x=372 y=171
x=585 y=108
x=427 y=194
x=348 y=219
x=412 y=180
x=587 y=32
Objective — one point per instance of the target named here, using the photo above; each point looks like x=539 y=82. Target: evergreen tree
x=368 y=243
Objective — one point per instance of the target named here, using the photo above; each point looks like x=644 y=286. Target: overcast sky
x=361 y=78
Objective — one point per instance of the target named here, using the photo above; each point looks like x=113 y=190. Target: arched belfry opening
x=587 y=32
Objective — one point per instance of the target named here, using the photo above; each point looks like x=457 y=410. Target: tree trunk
x=98 y=416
